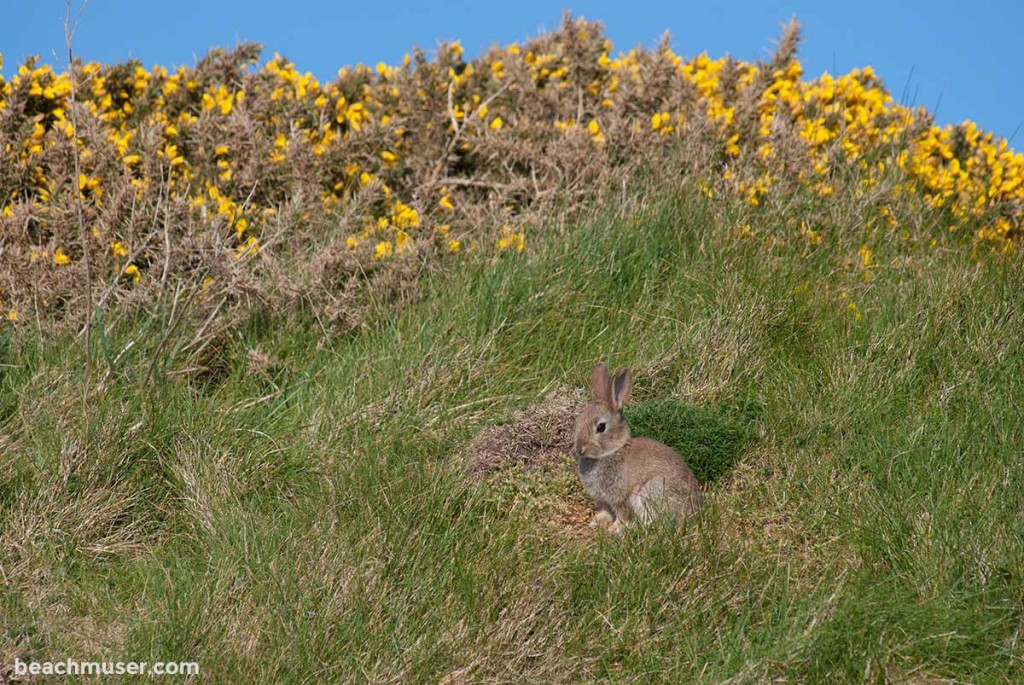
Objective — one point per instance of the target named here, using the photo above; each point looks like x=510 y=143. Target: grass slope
x=297 y=517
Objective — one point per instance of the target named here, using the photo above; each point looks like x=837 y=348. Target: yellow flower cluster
x=853 y=120
x=511 y=240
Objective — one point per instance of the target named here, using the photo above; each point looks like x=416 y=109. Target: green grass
x=307 y=522
x=712 y=438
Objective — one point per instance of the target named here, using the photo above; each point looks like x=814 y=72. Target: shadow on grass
x=710 y=439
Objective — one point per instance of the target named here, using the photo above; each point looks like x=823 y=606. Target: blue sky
x=959 y=59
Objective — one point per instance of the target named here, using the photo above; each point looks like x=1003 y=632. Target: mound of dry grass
x=535 y=438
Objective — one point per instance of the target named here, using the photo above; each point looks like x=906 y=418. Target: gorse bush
x=244 y=182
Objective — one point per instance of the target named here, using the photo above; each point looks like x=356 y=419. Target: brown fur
x=629 y=477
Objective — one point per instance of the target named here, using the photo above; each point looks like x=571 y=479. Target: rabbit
x=630 y=478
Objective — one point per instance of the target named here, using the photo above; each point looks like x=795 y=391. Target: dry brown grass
x=534 y=438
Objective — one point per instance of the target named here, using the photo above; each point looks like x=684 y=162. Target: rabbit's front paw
x=605 y=519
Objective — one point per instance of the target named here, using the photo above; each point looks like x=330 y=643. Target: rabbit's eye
x=601 y=427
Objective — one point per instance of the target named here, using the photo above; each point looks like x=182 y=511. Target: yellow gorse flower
x=515 y=240
x=865 y=256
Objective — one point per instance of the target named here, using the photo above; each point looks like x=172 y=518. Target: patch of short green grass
x=710 y=439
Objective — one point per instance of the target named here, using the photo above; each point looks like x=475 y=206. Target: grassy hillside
x=283 y=499
x=300 y=516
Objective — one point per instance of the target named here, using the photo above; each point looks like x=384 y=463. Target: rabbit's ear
x=600 y=388
x=621 y=387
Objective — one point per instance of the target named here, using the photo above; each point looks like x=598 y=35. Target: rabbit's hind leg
x=648 y=500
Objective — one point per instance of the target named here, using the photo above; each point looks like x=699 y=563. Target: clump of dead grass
x=535 y=438
x=528 y=466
